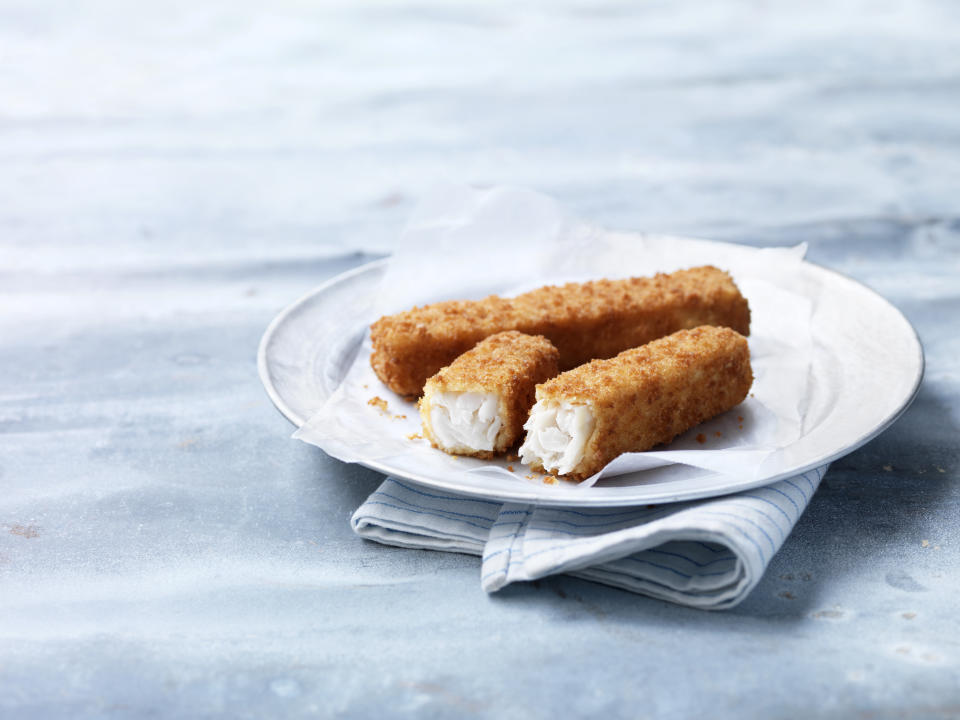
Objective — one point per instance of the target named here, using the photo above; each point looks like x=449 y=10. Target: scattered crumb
x=718 y=433
x=936 y=547
x=399 y=417
x=787 y=576
x=787 y=595
x=530 y=477
x=740 y=418
x=908 y=615
x=366 y=387
x=27 y=531
x=550 y=480
x=701 y=438
x=391 y=200
x=940 y=469
x=510 y=468
x=414 y=436
x=740 y=427
x=751 y=394
x=829 y=614
x=187 y=444
x=378 y=402
x=888 y=468
x=539 y=471
x=924 y=543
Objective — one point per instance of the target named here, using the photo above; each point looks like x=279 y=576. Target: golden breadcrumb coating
x=648 y=395
x=508 y=364
x=584 y=321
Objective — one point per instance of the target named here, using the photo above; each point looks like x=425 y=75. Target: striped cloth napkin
x=707 y=553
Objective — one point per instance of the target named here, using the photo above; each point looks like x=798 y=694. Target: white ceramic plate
x=868 y=364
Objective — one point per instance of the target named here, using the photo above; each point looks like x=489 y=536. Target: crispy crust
x=588 y=320
x=509 y=364
x=651 y=394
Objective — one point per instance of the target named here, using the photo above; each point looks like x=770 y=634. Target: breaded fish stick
x=477 y=405
x=586 y=417
x=583 y=320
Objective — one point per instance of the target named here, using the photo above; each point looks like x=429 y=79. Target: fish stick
x=478 y=404
x=596 y=319
x=588 y=416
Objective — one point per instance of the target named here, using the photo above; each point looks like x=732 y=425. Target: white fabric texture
x=707 y=553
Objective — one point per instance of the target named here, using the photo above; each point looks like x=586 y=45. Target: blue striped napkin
x=707 y=553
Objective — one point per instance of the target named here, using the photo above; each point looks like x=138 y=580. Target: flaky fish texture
x=478 y=404
x=584 y=321
x=586 y=417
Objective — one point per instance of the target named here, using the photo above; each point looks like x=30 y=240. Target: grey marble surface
x=173 y=174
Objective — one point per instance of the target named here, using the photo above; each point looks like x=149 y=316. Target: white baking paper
x=466 y=243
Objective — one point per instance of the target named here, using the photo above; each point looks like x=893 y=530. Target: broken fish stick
x=584 y=321
x=643 y=397
x=478 y=404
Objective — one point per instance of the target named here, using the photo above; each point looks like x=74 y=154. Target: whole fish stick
x=477 y=405
x=584 y=321
x=588 y=416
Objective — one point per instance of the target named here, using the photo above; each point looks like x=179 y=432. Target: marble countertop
x=172 y=175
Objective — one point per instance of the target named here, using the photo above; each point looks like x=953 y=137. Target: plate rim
x=265 y=339
x=531 y=496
